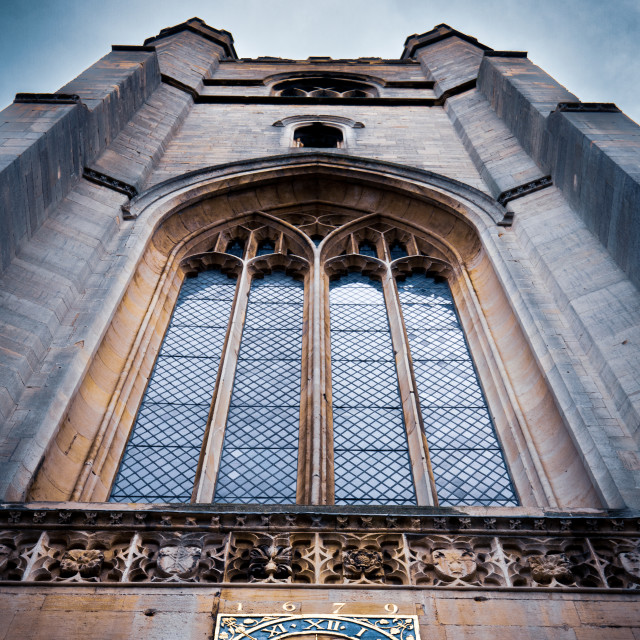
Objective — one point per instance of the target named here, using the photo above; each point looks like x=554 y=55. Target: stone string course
x=89 y=547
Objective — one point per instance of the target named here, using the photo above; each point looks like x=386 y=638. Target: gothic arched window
x=365 y=362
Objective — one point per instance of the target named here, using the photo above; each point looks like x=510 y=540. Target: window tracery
x=384 y=448
x=324 y=87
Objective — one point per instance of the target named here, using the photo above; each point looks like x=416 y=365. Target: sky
x=590 y=46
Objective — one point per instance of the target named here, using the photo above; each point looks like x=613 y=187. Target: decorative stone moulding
x=341 y=265
x=228 y=264
x=293 y=266
x=431 y=551
x=403 y=267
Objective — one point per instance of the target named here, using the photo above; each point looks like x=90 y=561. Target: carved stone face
x=5 y=554
x=363 y=562
x=86 y=562
x=553 y=566
x=456 y=564
x=177 y=559
x=630 y=562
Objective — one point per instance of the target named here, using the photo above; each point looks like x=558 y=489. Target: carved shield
x=174 y=559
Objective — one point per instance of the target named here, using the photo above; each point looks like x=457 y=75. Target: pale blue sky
x=590 y=46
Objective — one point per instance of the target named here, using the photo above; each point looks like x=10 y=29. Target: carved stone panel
x=79 y=556
x=367 y=559
x=455 y=560
x=545 y=562
x=619 y=560
x=177 y=557
x=269 y=558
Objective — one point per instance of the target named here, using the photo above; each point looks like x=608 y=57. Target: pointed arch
x=179 y=219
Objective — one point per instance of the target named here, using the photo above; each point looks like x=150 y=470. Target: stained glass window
x=371 y=457
x=465 y=454
x=161 y=457
x=260 y=454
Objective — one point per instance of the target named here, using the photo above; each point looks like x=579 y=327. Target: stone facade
x=137 y=173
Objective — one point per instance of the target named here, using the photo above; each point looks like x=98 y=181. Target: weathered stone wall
x=73 y=613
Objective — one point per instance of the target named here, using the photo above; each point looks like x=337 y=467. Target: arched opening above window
x=397 y=250
x=318 y=135
x=367 y=249
x=235 y=248
x=266 y=247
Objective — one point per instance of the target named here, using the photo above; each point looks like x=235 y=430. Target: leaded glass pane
x=259 y=462
x=160 y=460
x=236 y=248
x=371 y=457
x=466 y=458
x=367 y=249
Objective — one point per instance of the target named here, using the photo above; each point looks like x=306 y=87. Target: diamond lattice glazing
x=260 y=455
x=371 y=457
x=160 y=460
x=467 y=461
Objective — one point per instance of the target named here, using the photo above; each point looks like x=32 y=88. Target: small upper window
x=318 y=135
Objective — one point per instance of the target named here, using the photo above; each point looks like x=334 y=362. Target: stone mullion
x=317 y=433
x=418 y=448
x=216 y=425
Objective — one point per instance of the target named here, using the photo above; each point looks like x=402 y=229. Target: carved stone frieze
x=426 y=550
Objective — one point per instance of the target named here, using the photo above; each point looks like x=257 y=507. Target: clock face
x=323 y=627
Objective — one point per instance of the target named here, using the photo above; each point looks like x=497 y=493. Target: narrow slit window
x=371 y=456
x=260 y=454
x=466 y=457
x=161 y=457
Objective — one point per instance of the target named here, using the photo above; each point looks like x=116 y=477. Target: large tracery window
x=407 y=422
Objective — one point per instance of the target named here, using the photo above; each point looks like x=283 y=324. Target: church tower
x=318 y=349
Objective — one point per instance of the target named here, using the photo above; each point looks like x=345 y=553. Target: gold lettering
x=276 y=630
